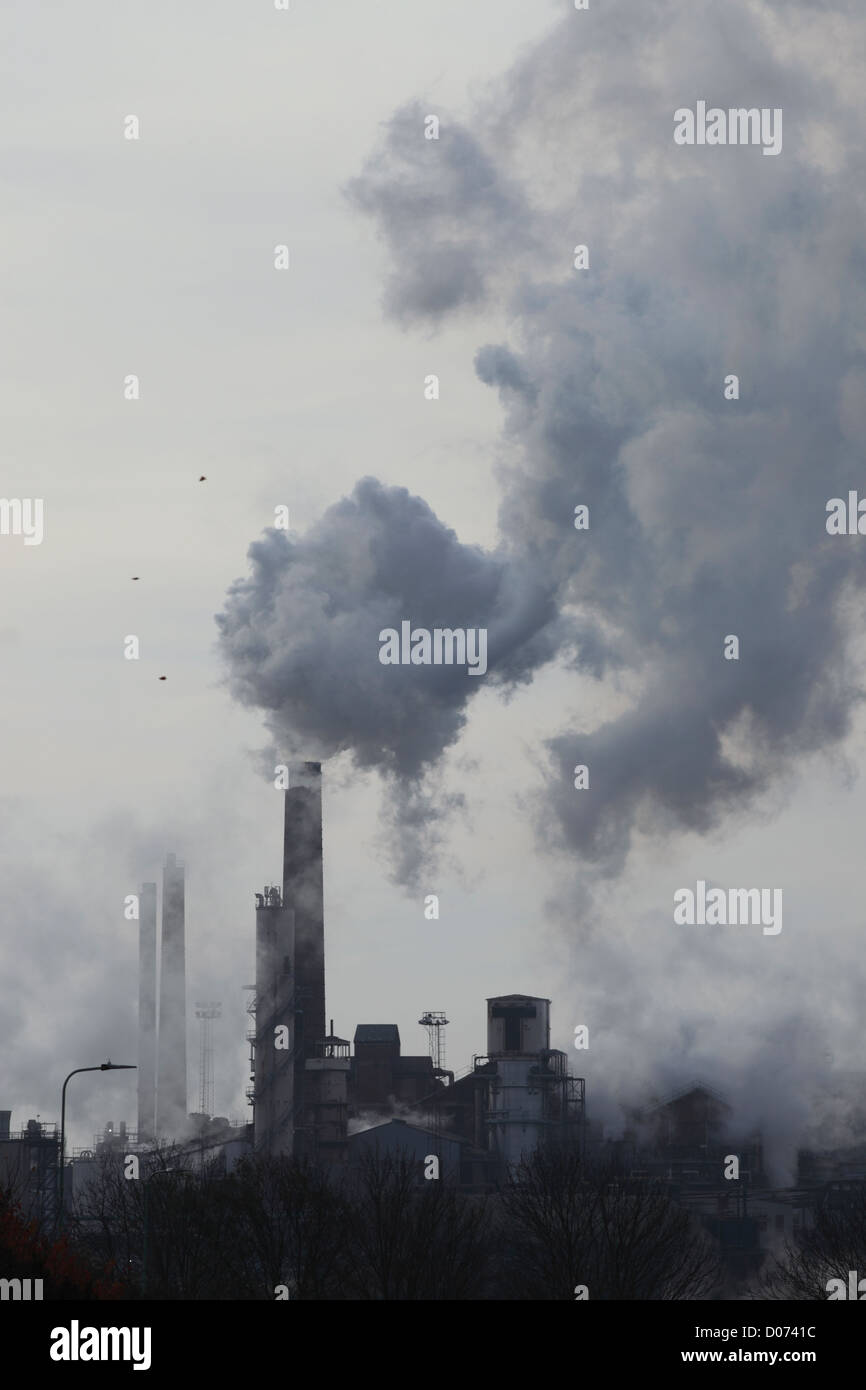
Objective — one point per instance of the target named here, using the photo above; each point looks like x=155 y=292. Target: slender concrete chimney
x=147 y=1012
x=302 y=896
x=274 y=1113
x=171 y=1107
x=302 y=893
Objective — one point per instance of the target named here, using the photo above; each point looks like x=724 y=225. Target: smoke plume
x=707 y=515
x=301 y=634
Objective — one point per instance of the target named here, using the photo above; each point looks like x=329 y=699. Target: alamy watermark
x=856 y=1289
x=76 y=1343
x=729 y=907
x=21 y=1290
x=736 y=126
x=846 y=519
x=444 y=646
x=22 y=516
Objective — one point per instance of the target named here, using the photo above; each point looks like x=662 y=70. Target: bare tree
x=831 y=1248
x=163 y=1231
x=569 y=1226
x=26 y=1252
x=411 y=1240
x=289 y=1220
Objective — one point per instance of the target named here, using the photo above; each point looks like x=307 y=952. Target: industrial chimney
x=273 y=1094
x=171 y=1105
x=147 y=1013
x=302 y=893
x=302 y=896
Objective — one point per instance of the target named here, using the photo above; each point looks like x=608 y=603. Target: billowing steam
x=707 y=515
x=302 y=633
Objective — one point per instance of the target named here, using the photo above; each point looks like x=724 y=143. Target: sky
x=558 y=386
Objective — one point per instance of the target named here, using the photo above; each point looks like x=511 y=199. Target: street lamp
x=104 y=1066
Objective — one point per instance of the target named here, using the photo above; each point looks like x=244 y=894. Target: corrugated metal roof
x=395 y=1126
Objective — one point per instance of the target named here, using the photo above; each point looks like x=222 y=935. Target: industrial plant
x=335 y=1102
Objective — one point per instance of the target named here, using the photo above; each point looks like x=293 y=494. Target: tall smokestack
x=302 y=893
x=147 y=1012
x=302 y=896
x=171 y=1107
x=274 y=1098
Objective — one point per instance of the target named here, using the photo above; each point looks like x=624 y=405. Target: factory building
x=517 y=1096
x=400 y=1138
x=308 y=1091
x=325 y=1117
x=380 y=1079
x=309 y=1088
x=686 y=1137
x=29 y=1167
x=531 y=1095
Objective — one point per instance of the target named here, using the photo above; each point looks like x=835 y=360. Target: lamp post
x=104 y=1066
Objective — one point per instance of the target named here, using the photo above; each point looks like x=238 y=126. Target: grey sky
x=156 y=258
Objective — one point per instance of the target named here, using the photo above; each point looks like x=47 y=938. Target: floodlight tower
x=435 y=1024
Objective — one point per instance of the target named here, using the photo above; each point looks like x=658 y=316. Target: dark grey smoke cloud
x=439 y=204
x=301 y=634
x=707 y=516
